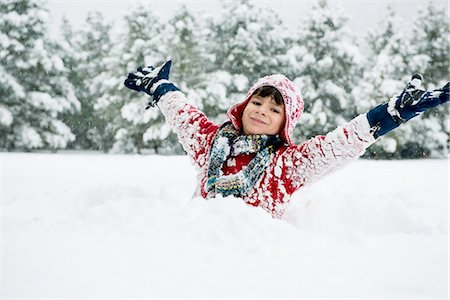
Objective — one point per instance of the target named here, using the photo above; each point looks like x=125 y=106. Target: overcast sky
x=363 y=14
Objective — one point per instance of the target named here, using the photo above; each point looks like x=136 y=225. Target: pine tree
x=186 y=45
x=142 y=42
x=330 y=65
x=387 y=63
x=34 y=89
x=384 y=76
x=86 y=54
x=393 y=58
x=251 y=40
x=430 y=36
x=248 y=41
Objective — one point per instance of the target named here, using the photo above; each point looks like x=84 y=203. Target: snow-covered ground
x=92 y=225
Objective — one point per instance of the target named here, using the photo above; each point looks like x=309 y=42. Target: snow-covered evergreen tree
x=393 y=58
x=130 y=127
x=86 y=54
x=330 y=64
x=34 y=89
x=248 y=41
x=251 y=40
x=431 y=38
x=186 y=44
x=387 y=62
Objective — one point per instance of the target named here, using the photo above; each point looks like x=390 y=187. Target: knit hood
x=293 y=104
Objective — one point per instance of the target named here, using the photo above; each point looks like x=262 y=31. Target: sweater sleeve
x=195 y=132
x=319 y=156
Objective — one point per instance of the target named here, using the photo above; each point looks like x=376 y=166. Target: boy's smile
x=263 y=115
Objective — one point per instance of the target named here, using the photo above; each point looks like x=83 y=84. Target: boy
x=252 y=156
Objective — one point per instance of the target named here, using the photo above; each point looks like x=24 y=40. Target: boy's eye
x=275 y=110
x=256 y=103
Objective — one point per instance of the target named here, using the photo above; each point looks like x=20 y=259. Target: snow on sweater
x=292 y=166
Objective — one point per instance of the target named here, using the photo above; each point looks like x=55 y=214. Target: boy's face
x=263 y=115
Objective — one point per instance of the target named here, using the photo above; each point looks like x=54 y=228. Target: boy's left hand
x=413 y=100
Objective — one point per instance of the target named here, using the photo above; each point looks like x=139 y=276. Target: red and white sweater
x=292 y=166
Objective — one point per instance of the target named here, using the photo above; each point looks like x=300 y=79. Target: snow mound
x=126 y=226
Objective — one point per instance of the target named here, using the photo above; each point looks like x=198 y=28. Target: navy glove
x=153 y=81
x=410 y=103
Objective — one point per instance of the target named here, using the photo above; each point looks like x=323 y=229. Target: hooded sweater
x=291 y=166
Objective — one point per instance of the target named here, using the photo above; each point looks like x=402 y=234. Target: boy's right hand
x=144 y=79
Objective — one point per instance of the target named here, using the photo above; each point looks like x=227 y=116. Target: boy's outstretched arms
x=153 y=81
x=411 y=102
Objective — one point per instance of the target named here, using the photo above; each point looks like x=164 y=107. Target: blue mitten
x=153 y=81
x=410 y=103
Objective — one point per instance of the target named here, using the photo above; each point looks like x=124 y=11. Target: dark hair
x=268 y=90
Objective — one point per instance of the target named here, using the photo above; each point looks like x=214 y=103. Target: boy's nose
x=262 y=110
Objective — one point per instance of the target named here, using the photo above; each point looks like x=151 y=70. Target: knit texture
x=229 y=143
x=292 y=99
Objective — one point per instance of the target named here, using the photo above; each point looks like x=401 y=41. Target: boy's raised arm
x=320 y=155
x=195 y=132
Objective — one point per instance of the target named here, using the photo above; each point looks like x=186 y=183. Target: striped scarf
x=229 y=143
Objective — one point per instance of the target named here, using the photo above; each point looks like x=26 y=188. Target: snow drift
x=78 y=225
